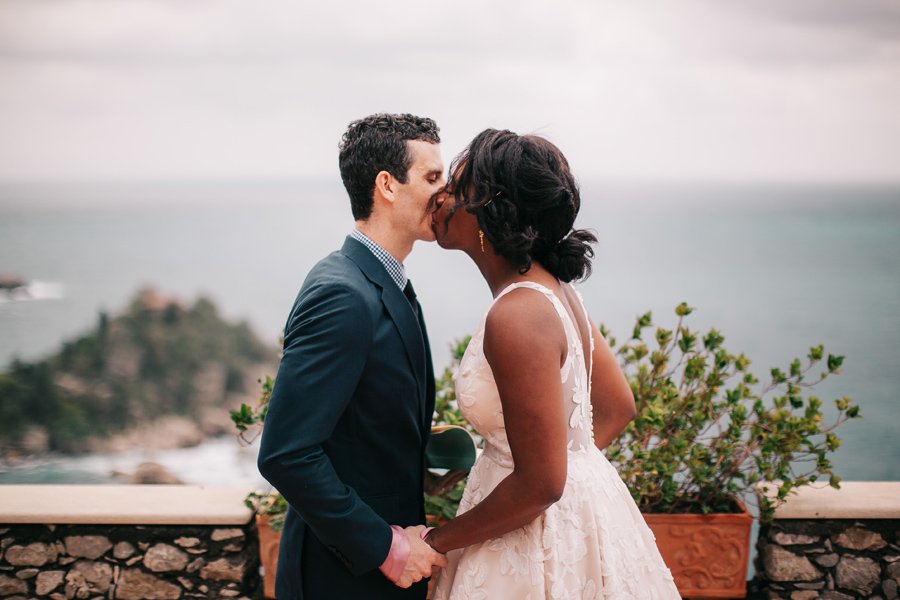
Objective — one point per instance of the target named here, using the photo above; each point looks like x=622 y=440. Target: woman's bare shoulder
x=524 y=316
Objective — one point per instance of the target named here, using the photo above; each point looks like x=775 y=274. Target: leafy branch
x=706 y=432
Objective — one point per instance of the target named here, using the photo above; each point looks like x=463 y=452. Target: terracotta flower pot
x=269 y=540
x=707 y=554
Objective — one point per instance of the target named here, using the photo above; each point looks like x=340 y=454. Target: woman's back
x=593 y=542
x=477 y=392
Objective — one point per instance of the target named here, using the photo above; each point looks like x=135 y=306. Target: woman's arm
x=611 y=397
x=525 y=344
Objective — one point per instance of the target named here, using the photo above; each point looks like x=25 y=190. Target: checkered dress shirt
x=394 y=268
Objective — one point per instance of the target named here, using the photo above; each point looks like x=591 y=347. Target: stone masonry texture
x=130 y=562
x=833 y=559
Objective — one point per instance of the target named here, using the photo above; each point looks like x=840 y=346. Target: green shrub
x=707 y=431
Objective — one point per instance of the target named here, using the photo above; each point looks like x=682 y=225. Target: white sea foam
x=217 y=461
x=35 y=290
x=46 y=290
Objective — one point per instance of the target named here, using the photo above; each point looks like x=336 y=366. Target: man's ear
x=385 y=185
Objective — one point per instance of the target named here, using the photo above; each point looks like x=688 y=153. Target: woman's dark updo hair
x=525 y=199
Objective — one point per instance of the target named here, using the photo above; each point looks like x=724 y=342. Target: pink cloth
x=425 y=533
x=393 y=565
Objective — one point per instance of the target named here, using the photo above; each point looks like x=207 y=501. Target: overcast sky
x=800 y=90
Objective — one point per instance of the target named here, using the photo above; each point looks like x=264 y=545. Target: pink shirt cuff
x=425 y=532
x=393 y=565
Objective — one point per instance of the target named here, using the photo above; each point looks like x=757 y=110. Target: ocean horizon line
x=38 y=196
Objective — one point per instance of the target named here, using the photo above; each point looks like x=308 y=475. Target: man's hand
x=422 y=558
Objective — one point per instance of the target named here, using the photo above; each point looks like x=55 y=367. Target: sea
x=776 y=268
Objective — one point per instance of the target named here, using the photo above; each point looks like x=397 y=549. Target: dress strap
x=569 y=324
x=554 y=300
x=528 y=284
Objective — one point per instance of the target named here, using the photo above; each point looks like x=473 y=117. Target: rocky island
x=162 y=374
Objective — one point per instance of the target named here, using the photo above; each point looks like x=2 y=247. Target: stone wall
x=127 y=542
x=128 y=562
x=832 y=544
x=832 y=559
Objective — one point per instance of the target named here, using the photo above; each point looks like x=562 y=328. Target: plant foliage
x=443 y=502
x=272 y=505
x=708 y=430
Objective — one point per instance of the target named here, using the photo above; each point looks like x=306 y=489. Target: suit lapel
x=396 y=304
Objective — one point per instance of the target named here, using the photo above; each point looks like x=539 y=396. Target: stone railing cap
x=854 y=500
x=124 y=504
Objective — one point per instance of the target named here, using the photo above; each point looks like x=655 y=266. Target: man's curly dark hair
x=378 y=143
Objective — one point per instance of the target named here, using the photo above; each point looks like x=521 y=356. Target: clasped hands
x=422 y=558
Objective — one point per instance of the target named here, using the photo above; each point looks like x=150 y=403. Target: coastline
x=193 y=452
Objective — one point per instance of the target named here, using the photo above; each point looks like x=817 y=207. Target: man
x=350 y=411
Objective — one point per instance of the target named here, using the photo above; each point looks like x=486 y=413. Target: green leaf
x=645 y=320
x=687 y=340
x=639 y=351
x=683 y=310
x=695 y=368
x=834 y=363
x=450 y=447
x=663 y=336
x=712 y=340
x=816 y=353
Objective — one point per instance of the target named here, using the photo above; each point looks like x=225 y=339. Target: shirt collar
x=394 y=268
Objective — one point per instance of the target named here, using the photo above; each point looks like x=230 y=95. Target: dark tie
x=410 y=294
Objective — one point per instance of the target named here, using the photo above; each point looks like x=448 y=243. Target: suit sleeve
x=328 y=338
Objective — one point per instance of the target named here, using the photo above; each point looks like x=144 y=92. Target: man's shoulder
x=336 y=269
x=338 y=274
x=335 y=285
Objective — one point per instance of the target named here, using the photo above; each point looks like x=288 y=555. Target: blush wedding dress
x=591 y=544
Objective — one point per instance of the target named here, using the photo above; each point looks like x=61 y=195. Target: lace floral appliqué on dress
x=591 y=544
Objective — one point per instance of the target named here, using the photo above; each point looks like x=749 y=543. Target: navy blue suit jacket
x=346 y=429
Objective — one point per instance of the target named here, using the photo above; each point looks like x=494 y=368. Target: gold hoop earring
x=481 y=239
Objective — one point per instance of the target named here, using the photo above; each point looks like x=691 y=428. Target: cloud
x=159 y=89
x=869 y=19
x=232 y=31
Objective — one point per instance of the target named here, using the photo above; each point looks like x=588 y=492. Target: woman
x=544 y=514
